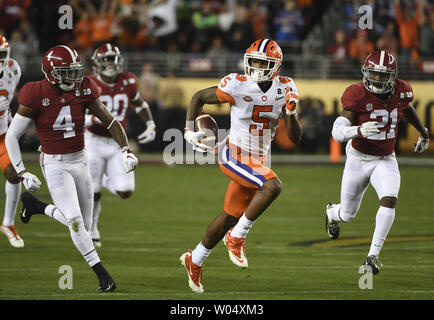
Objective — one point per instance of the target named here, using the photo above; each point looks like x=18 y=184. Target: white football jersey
x=8 y=82
x=255 y=114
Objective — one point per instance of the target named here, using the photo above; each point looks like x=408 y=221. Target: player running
x=119 y=93
x=258 y=100
x=57 y=105
x=369 y=122
x=10 y=73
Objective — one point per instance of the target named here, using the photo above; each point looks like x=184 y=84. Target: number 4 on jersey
x=64 y=122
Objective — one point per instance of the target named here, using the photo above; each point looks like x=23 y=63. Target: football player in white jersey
x=119 y=93
x=10 y=73
x=258 y=100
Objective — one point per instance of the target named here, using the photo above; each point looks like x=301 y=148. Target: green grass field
x=144 y=236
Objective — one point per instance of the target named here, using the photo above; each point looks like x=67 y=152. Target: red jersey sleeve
x=132 y=84
x=27 y=95
x=352 y=96
x=95 y=91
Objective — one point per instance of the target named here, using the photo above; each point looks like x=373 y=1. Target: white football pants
x=360 y=170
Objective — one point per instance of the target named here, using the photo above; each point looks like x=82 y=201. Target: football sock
x=12 y=196
x=383 y=223
x=333 y=213
x=82 y=240
x=242 y=227
x=102 y=274
x=199 y=254
x=51 y=211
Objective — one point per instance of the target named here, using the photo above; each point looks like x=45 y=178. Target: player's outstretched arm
x=411 y=116
x=144 y=112
x=117 y=131
x=17 y=128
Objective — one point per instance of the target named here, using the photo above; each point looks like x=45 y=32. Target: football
x=204 y=122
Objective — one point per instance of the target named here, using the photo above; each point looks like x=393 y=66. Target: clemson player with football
x=368 y=123
x=10 y=73
x=258 y=100
x=119 y=93
x=57 y=105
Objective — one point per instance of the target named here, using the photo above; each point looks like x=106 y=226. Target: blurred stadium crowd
x=315 y=35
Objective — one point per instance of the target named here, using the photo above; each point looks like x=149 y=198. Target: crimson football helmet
x=5 y=51
x=379 y=72
x=62 y=67
x=263 y=49
x=107 y=60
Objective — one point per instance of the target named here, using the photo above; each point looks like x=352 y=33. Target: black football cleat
x=372 y=263
x=110 y=286
x=31 y=206
x=332 y=228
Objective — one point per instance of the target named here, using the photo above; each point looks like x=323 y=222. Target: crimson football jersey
x=59 y=116
x=387 y=113
x=117 y=98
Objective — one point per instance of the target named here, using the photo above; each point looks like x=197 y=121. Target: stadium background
x=176 y=47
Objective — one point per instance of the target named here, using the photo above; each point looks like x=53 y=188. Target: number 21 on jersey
x=385 y=115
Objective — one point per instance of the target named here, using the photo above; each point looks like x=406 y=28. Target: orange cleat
x=237 y=249
x=194 y=272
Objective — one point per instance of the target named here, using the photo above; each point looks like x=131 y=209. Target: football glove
x=149 y=134
x=422 y=144
x=4 y=104
x=368 y=129
x=129 y=159
x=291 y=101
x=30 y=181
x=194 y=139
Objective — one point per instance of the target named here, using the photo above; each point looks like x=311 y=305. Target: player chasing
x=57 y=105
x=369 y=121
x=258 y=100
x=10 y=73
x=119 y=91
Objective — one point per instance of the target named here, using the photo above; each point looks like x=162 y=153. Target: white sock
x=383 y=223
x=242 y=227
x=13 y=192
x=333 y=213
x=55 y=213
x=109 y=185
x=82 y=241
x=199 y=254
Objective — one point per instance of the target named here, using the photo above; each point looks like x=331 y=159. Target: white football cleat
x=12 y=235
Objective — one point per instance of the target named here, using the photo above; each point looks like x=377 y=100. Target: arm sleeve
x=16 y=129
x=343 y=130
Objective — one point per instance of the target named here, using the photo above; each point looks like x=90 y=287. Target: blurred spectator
x=162 y=22
x=18 y=48
x=205 y=22
x=131 y=36
x=426 y=43
x=339 y=49
x=351 y=10
x=360 y=47
x=30 y=38
x=258 y=18
x=149 y=84
x=12 y=12
x=102 y=21
x=82 y=28
x=240 y=35
x=312 y=119
x=407 y=19
x=289 y=23
x=227 y=15
x=218 y=56
x=388 y=40
x=383 y=12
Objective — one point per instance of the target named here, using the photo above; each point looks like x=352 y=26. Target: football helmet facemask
x=107 y=60
x=379 y=72
x=62 y=67
x=5 y=51
x=267 y=50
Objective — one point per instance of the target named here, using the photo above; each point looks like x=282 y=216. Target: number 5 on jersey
x=64 y=122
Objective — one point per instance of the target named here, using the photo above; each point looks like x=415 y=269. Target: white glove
x=149 y=134
x=4 y=104
x=129 y=159
x=194 y=138
x=30 y=181
x=369 y=128
x=421 y=145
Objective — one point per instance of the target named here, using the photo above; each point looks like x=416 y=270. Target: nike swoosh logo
x=278 y=98
x=18 y=163
x=24 y=213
